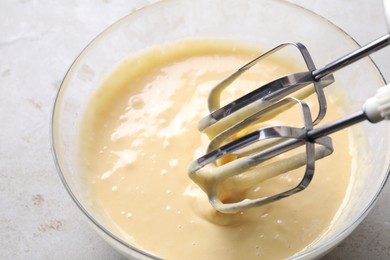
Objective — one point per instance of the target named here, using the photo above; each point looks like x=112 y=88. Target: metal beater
x=259 y=146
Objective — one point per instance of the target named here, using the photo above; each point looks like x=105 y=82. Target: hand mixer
x=252 y=152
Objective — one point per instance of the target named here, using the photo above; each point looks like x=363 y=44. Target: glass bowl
x=266 y=23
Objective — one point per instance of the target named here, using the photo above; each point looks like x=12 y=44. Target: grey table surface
x=38 y=42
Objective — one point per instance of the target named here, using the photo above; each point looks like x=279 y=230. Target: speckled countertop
x=38 y=42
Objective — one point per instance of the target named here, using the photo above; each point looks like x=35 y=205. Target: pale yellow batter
x=140 y=134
